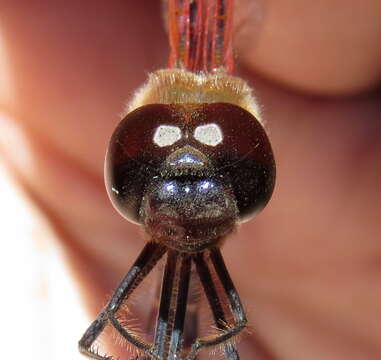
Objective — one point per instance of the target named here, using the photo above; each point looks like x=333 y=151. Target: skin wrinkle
x=308 y=245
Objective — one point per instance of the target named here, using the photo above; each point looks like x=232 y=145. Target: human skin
x=309 y=267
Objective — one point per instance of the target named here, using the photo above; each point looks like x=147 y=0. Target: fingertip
x=322 y=48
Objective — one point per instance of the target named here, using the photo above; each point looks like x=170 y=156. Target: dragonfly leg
x=192 y=319
x=147 y=259
x=215 y=303
x=173 y=302
x=177 y=339
x=91 y=334
x=227 y=283
x=229 y=331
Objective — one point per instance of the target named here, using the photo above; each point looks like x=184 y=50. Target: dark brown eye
x=244 y=155
x=204 y=141
x=137 y=149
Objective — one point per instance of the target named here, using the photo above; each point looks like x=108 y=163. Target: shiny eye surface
x=244 y=157
x=205 y=141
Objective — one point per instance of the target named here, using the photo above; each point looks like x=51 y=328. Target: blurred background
x=308 y=268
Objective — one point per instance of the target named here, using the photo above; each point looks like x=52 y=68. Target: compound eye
x=209 y=134
x=167 y=135
x=138 y=147
x=236 y=144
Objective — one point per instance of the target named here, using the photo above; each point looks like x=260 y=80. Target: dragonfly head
x=189 y=172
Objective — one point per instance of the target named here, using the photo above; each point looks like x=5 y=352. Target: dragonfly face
x=188 y=162
x=179 y=169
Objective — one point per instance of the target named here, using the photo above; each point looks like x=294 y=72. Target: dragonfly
x=189 y=162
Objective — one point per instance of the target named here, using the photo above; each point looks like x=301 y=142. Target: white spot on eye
x=115 y=191
x=166 y=135
x=187 y=189
x=209 y=134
